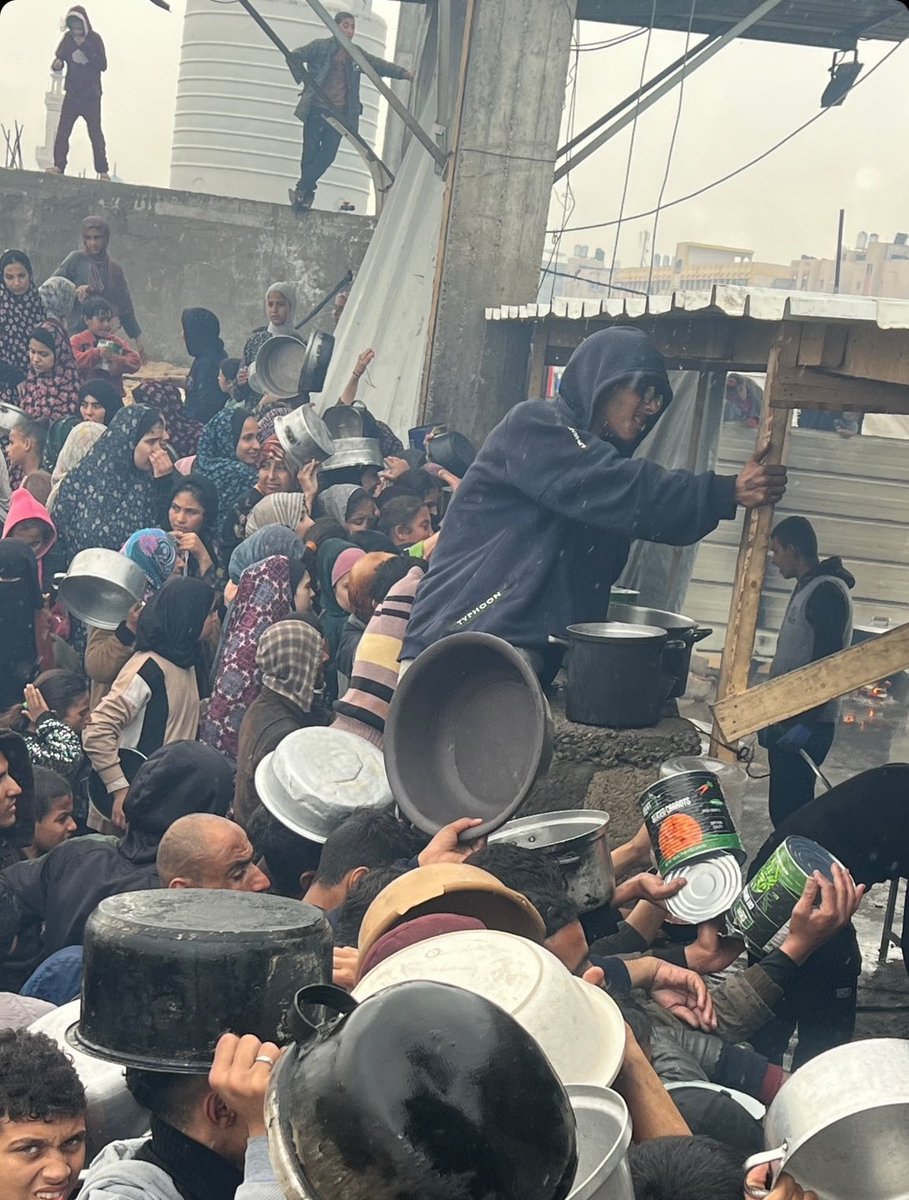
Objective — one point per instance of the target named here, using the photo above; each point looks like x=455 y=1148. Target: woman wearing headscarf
x=192 y=516
x=51 y=387
x=117 y=488
x=229 y=454
x=20 y=603
x=202 y=337
x=183 y=430
x=95 y=273
x=108 y=650
x=280 y=307
x=155 y=698
x=99 y=401
x=351 y=505
x=77 y=445
x=334 y=562
x=17 y=822
x=281 y=508
x=59 y=298
x=274 y=476
x=289 y=658
x=21 y=309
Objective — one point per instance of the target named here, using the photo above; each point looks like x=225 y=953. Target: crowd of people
x=282 y=603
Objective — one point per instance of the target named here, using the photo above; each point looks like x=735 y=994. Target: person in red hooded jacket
x=82 y=53
x=30 y=522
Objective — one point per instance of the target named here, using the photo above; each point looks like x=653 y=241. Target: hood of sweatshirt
x=621 y=354
x=830 y=567
x=78 y=11
x=117 y=1172
x=24 y=507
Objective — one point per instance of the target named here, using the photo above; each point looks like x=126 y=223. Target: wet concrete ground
x=883 y=987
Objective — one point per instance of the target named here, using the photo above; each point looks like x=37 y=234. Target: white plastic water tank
x=234 y=130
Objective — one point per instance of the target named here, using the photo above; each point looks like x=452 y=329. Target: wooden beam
x=809 y=387
x=827 y=679
x=536 y=384
x=752 y=560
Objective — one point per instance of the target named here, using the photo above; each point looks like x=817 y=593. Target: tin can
x=761 y=913
x=688 y=820
x=712 y=886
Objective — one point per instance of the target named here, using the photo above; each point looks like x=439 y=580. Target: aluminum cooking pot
x=316 y=361
x=111 y=1112
x=9 y=415
x=838 y=1125
x=101 y=586
x=354 y=452
x=604 y=1135
x=279 y=365
x=683 y=632
x=578 y=840
x=304 y=436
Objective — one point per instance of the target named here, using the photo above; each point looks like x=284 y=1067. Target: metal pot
x=578 y=840
x=683 y=632
x=101 y=586
x=304 y=436
x=838 y=1125
x=604 y=1135
x=279 y=365
x=616 y=676
x=451 y=450
x=343 y=421
x=316 y=361
x=354 y=452
x=111 y=1112
x=9 y=415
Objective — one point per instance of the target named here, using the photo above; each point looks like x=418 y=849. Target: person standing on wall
x=818 y=622
x=82 y=53
x=339 y=77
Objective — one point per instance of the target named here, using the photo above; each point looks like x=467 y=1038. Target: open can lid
x=713 y=884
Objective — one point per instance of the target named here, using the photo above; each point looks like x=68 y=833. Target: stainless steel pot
x=112 y=1114
x=604 y=1135
x=304 y=436
x=838 y=1125
x=684 y=633
x=9 y=415
x=101 y=587
x=279 y=365
x=578 y=840
x=316 y=361
x=354 y=452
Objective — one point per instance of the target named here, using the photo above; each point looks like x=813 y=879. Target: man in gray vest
x=818 y=622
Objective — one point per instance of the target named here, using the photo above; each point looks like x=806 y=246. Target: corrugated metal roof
x=760 y=304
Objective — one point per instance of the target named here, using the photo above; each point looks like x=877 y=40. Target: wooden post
x=752 y=560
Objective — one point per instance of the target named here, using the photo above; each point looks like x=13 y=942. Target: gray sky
x=743 y=101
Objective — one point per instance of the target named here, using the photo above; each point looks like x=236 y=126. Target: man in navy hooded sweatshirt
x=540 y=528
x=82 y=53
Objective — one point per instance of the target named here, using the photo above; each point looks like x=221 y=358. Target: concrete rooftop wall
x=181 y=249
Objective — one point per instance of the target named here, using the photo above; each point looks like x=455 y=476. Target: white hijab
x=289 y=292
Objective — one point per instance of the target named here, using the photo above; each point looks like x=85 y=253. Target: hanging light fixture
x=843 y=75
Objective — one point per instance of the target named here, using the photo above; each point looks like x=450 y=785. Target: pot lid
x=712 y=886
x=635 y=614
x=317 y=777
x=614 y=631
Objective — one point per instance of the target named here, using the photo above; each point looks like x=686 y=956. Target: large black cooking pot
x=683 y=634
x=615 y=675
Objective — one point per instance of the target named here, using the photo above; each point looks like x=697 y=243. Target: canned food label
x=686 y=828
x=761 y=913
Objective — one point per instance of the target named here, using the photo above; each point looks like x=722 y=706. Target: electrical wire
x=617 y=41
x=675 y=130
x=634 y=130
x=738 y=171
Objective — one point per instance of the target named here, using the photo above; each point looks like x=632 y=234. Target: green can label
x=761 y=913
x=687 y=819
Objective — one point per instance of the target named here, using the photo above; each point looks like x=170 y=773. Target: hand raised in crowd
x=646 y=886
x=712 y=951
x=83 y=292
x=35 y=704
x=758 y=484
x=363 y=361
x=394 y=467
x=446 y=847
x=189 y=543
x=131 y=620
x=344 y=960
x=678 y=990
x=308 y=479
x=243 y=375
x=239 y=1074
x=786 y=1188
x=813 y=924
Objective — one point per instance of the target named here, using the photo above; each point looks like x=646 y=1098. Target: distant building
x=695 y=266
x=871 y=268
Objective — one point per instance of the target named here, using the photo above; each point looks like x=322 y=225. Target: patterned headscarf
x=78 y=443
x=106 y=497
x=182 y=431
x=263 y=597
x=18 y=317
x=281 y=508
x=56 y=394
x=59 y=297
x=290 y=659
x=155 y=552
x=270 y=540
x=217 y=457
